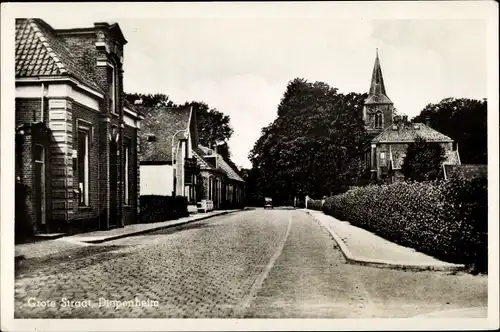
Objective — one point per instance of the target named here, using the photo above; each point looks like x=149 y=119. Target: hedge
x=155 y=208
x=315 y=204
x=445 y=219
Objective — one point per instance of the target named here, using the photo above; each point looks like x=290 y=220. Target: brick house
x=390 y=136
x=76 y=138
x=221 y=182
x=168 y=137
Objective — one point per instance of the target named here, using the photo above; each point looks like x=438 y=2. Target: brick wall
x=130 y=208
x=25 y=111
x=28 y=112
x=83 y=47
x=87 y=117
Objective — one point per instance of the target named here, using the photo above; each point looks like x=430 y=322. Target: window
x=127 y=175
x=378 y=120
x=83 y=165
x=112 y=90
x=383 y=160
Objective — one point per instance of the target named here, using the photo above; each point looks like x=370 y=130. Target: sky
x=241 y=65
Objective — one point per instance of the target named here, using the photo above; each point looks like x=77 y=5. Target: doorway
x=113 y=184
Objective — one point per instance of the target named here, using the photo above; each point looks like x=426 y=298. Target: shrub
x=315 y=204
x=423 y=160
x=155 y=208
x=445 y=219
x=300 y=204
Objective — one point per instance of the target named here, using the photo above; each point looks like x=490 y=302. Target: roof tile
x=163 y=123
x=36 y=40
x=408 y=133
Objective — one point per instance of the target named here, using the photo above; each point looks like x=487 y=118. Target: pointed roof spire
x=377 y=92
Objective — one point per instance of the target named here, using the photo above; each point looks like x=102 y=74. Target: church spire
x=377 y=92
x=378 y=109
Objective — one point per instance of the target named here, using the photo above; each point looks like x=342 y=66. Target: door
x=40 y=203
x=113 y=184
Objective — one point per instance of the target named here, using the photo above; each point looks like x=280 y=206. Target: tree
x=311 y=148
x=465 y=121
x=423 y=160
x=150 y=100
x=213 y=126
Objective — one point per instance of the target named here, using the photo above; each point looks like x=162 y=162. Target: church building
x=390 y=135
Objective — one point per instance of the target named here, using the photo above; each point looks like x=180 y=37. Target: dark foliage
x=445 y=219
x=423 y=160
x=465 y=121
x=155 y=208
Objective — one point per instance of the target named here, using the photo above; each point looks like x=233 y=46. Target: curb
x=139 y=232
x=352 y=259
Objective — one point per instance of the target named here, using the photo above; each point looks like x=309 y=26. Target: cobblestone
x=207 y=269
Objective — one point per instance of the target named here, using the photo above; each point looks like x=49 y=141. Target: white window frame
x=113 y=90
x=383 y=159
x=86 y=165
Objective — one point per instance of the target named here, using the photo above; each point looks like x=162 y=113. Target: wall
x=179 y=159
x=130 y=207
x=87 y=214
x=156 y=180
x=24 y=114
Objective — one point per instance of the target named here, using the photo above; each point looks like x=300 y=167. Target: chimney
x=405 y=119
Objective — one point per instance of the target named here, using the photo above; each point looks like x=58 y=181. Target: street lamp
x=173 y=156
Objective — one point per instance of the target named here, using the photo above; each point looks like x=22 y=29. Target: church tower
x=378 y=108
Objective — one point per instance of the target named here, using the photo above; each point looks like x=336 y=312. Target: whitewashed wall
x=157 y=180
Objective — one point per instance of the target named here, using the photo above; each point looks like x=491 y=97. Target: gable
x=222 y=165
x=162 y=123
x=40 y=52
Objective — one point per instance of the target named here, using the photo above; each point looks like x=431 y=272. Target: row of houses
x=170 y=150
x=84 y=155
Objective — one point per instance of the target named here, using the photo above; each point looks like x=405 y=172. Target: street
x=252 y=264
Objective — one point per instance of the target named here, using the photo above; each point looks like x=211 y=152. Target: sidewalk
x=50 y=247
x=362 y=247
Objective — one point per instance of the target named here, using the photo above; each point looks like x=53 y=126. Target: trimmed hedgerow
x=315 y=204
x=445 y=219
x=156 y=208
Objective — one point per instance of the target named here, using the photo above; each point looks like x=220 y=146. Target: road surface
x=260 y=263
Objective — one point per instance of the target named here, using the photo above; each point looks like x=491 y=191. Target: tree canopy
x=313 y=147
x=465 y=121
x=423 y=160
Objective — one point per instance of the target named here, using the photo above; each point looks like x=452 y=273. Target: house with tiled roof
x=390 y=135
x=222 y=184
x=76 y=137
x=167 y=165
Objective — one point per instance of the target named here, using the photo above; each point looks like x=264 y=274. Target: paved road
x=260 y=263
